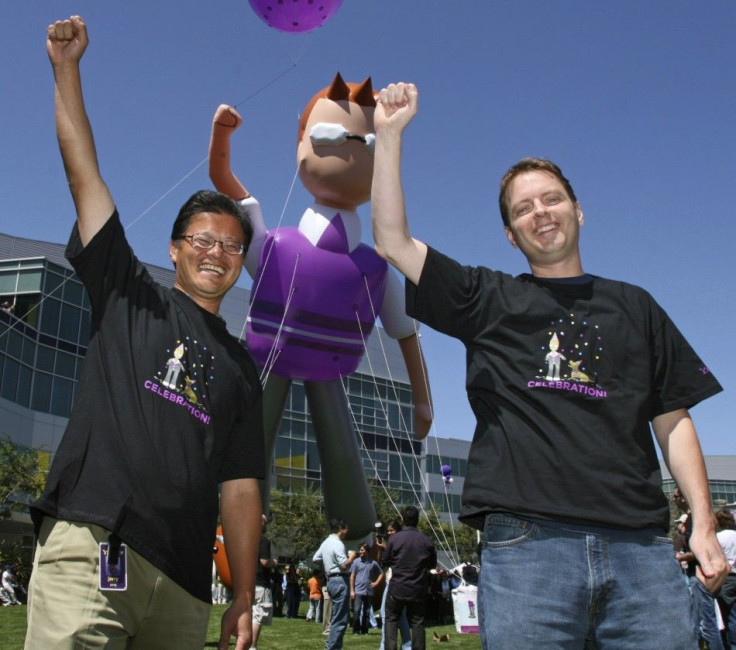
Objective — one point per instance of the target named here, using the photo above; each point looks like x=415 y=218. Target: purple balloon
x=446 y=474
x=295 y=15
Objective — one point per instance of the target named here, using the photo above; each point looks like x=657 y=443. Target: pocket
x=504 y=530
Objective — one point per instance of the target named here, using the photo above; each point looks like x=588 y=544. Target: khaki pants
x=67 y=610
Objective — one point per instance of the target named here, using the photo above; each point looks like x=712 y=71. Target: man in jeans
x=410 y=555
x=571 y=378
x=336 y=563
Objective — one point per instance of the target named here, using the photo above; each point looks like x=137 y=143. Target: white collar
x=316 y=218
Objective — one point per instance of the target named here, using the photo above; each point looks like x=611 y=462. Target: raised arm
x=678 y=440
x=65 y=43
x=396 y=107
x=224 y=124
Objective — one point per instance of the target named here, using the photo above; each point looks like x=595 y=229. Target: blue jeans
x=337 y=587
x=705 y=605
x=361 y=613
x=571 y=587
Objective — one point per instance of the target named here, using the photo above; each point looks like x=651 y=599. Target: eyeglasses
x=323 y=133
x=206 y=242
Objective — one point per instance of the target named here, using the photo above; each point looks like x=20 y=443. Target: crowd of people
x=11 y=592
x=714 y=609
x=390 y=584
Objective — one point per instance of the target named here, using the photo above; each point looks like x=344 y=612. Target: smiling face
x=207 y=275
x=544 y=223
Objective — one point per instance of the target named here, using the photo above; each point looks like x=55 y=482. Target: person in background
x=9 y=586
x=336 y=562
x=314 y=587
x=365 y=576
x=292 y=591
x=404 y=629
x=410 y=555
x=168 y=417
x=727 y=594
x=263 y=600
x=568 y=375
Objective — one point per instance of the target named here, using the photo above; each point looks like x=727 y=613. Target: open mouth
x=546 y=228
x=212 y=268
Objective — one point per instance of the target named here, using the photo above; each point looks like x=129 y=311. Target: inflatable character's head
x=335 y=144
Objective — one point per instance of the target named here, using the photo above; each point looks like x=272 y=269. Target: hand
x=226 y=118
x=397 y=105
x=352 y=555
x=66 y=40
x=236 y=622
x=713 y=567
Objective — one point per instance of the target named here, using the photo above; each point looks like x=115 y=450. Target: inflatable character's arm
x=421 y=396
x=404 y=329
x=224 y=124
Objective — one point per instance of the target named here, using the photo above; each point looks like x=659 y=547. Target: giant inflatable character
x=317 y=288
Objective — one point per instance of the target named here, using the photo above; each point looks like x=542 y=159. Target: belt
x=336 y=574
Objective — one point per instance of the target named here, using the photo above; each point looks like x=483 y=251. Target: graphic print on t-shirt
x=570 y=354
x=184 y=380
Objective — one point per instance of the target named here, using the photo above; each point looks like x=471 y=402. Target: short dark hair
x=530 y=165
x=725 y=519
x=336 y=525
x=410 y=515
x=217 y=203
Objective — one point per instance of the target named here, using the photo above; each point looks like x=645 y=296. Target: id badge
x=113 y=577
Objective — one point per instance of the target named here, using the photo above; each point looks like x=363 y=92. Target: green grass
x=294 y=634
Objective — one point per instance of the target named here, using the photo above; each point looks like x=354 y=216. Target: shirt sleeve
x=680 y=378
x=451 y=298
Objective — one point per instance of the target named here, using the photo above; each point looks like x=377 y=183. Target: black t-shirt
x=263 y=574
x=169 y=405
x=563 y=379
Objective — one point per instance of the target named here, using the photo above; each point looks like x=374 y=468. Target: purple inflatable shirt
x=330 y=313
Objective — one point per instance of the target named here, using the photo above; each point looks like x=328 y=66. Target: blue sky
x=635 y=101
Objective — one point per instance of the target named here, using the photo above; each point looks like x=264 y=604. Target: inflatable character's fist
x=226 y=117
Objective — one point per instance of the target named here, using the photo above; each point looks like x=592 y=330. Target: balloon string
x=271 y=358
x=266 y=86
x=404 y=425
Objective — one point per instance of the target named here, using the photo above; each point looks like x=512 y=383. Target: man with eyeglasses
x=168 y=409
x=317 y=288
x=563 y=477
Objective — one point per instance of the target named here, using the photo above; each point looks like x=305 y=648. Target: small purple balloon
x=295 y=16
x=446 y=473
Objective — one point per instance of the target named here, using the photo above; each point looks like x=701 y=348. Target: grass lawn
x=293 y=634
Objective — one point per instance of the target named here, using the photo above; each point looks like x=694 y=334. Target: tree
x=459 y=540
x=386 y=502
x=297 y=525
x=20 y=479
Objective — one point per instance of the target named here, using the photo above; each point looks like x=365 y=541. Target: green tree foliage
x=386 y=502
x=298 y=524
x=20 y=480
x=460 y=540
